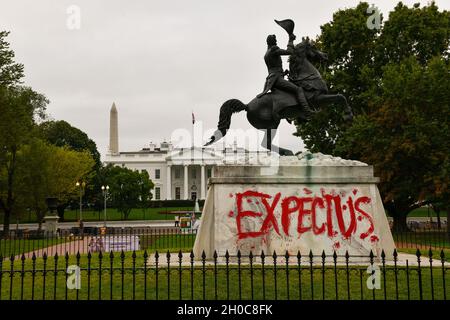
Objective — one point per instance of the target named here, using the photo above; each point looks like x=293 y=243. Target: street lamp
x=81 y=185
x=105 y=190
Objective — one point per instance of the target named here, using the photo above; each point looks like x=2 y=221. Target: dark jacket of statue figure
x=275 y=64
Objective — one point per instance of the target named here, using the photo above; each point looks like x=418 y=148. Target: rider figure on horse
x=275 y=79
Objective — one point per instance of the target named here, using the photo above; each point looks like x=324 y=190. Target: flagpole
x=192 y=129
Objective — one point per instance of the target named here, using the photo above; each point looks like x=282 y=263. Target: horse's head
x=306 y=50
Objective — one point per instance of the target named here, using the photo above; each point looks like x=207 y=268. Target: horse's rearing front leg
x=327 y=99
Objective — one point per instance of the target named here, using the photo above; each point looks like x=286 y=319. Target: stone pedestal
x=51 y=224
x=300 y=203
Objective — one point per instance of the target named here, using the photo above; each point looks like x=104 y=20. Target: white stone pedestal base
x=300 y=203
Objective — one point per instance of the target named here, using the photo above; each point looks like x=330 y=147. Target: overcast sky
x=157 y=60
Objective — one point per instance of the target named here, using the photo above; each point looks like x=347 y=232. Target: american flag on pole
x=193 y=118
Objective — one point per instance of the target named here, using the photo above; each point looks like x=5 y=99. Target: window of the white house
x=194 y=173
x=177 y=193
x=177 y=173
x=157 y=193
x=157 y=174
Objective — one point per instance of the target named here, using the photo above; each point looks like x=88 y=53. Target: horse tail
x=226 y=111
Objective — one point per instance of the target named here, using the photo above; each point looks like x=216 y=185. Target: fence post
x=323 y=274
x=145 y=273
x=55 y=274
x=250 y=258
x=156 y=274
x=395 y=255
x=299 y=269
x=311 y=271
x=371 y=256
x=263 y=273
x=347 y=271
x=111 y=273
x=11 y=275
x=22 y=275
x=89 y=257
x=100 y=259
x=335 y=274
x=430 y=255
x=286 y=258
x=133 y=257
x=180 y=272
x=419 y=272
x=122 y=273
x=203 y=274
x=78 y=265
x=168 y=274
x=239 y=274
x=215 y=274
x=442 y=266
x=383 y=262
x=192 y=274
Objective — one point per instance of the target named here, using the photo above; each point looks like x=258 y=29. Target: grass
x=111 y=215
x=130 y=280
x=167 y=242
x=436 y=253
x=422 y=239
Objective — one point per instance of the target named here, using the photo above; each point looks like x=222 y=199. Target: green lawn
x=167 y=242
x=134 y=281
x=422 y=239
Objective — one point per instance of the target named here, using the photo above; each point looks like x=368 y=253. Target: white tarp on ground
x=117 y=243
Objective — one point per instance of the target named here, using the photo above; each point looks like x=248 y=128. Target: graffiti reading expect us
x=333 y=214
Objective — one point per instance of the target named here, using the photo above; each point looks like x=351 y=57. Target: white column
x=202 y=182
x=169 y=183
x=186 y=193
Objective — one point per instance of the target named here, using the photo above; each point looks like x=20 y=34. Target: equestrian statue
x=299 y=97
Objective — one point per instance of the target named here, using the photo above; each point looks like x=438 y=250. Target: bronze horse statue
x=265 y=112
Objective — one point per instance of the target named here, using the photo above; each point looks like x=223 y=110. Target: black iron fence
x=74 y=240
x=139 y=275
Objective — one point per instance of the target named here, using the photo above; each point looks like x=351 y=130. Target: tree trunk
x=400 y=224
x=6 y=221
x=438 y=217
x=60 y=211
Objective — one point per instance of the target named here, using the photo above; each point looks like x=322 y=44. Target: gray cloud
x=158 y=60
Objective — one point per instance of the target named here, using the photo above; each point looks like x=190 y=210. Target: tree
x=19 y=107
x=60 y=133
x=146 y=185
x=128 y=188
x=11 y=72
x=45 y=170
x=407 y=136
x=396 y=80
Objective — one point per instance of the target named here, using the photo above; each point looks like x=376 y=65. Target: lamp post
x=105 y=190
x=81 y=185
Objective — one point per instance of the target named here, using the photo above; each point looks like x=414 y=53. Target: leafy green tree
x=407 y=136
x=61 y=133
x=128 y=189
x=396 y=81
x=46 y=170
x=11 y=72
x=19 y=106
x=146 y=185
